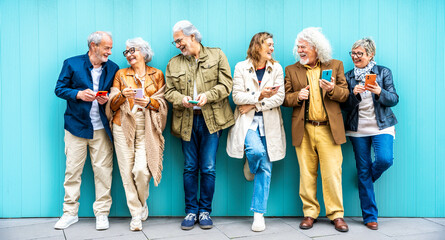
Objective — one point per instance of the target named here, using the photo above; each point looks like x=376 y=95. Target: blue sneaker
x=205 y=222
x=189 y=222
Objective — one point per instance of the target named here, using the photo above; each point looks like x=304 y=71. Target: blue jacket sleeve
x=388 y=97
x=353 y=100
x=63 y=87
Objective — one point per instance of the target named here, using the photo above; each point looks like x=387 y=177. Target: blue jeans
x=368 y=171
x=260 y=165
x=200 y=154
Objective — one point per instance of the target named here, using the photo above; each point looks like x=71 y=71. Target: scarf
x=360 y=73
x=155 y=122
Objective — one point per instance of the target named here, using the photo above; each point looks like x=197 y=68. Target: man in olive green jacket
x=198 y=83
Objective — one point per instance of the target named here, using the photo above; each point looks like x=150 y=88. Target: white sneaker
x=65 y=221
x=102 y=222
x=136 y=224
x=258 y=222
x=144 y=213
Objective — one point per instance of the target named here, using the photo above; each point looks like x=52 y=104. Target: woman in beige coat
x=258 y=93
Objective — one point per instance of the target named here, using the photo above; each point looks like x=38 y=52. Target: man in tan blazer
x=317 y=124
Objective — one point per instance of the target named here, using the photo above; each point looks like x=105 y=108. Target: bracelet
x=148 y=104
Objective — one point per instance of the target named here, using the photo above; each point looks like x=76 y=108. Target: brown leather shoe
x=340 y=225
x=307 y=222
x=372 y=225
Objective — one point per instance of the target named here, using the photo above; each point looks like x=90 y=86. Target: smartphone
x=139 y=93
x=370 y=79
x=275 y=87
x=326 y=75
x=193 y=102
x=101 y=93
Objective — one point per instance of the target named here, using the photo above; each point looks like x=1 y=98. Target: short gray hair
x=188 y=29
x=143 y=46
x=317 y=40
x=97 y=37
x=368 y=44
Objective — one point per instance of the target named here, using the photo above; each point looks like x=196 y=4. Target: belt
x=317 y=123
x=197 y=112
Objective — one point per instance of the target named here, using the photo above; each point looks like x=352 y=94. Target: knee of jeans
x=208 y=169
x=255 y=153
x=385 y=162
x=190 y=169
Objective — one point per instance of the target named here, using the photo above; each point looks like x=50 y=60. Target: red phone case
x=101 y=93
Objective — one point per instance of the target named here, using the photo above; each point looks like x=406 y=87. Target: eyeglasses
x=177 y=41
x=357 y=54
x=131 y=51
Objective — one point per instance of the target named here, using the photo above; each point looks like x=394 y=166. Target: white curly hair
x=317 y=40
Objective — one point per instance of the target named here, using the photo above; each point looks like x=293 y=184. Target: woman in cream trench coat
x=258 y=92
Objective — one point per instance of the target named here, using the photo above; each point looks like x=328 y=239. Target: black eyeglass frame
x=130 y=50
x=358 y=54
x=177 y=41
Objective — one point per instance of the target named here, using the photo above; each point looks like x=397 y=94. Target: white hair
x=97 y=37
x=188 y=29
x=317 y=40
x=143 y=46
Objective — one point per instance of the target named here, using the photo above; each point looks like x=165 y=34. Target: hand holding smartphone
x=193 y=102
x=370 y=79
x=326 y=75
x=275 y=87
x=139 y=93
x=101 y=93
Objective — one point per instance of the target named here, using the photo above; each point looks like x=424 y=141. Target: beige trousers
x=133 y=166
x=318 y=147
x=101 y=154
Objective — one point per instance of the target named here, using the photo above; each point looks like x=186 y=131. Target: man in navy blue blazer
x=86 y=126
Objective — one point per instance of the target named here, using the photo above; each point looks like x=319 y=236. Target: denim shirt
x=74 y=77
x=382 y=104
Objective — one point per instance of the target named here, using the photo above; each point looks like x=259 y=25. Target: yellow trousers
x=133 y=166
x=318 y=147
x=101 y=154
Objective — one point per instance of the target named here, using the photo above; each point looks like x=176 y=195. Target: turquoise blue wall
x=37 y=35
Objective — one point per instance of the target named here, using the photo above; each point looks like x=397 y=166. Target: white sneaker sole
x=136 y=228
x=102 y=227
x=66 y=226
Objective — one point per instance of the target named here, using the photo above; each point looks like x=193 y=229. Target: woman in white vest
x=258 y=92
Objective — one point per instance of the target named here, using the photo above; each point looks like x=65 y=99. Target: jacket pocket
x=221 y=112
x=178 y=79
x=177 y=122
x=209 y=71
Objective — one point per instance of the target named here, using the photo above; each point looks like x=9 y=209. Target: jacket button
x=253 y=93
x=263 y=103
x=189 y=80
x=248 y=89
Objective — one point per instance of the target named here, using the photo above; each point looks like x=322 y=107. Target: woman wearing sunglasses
x=370 y=122
x=140 y=114
x=258 y=132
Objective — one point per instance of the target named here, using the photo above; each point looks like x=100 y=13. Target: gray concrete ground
x=225 y=228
